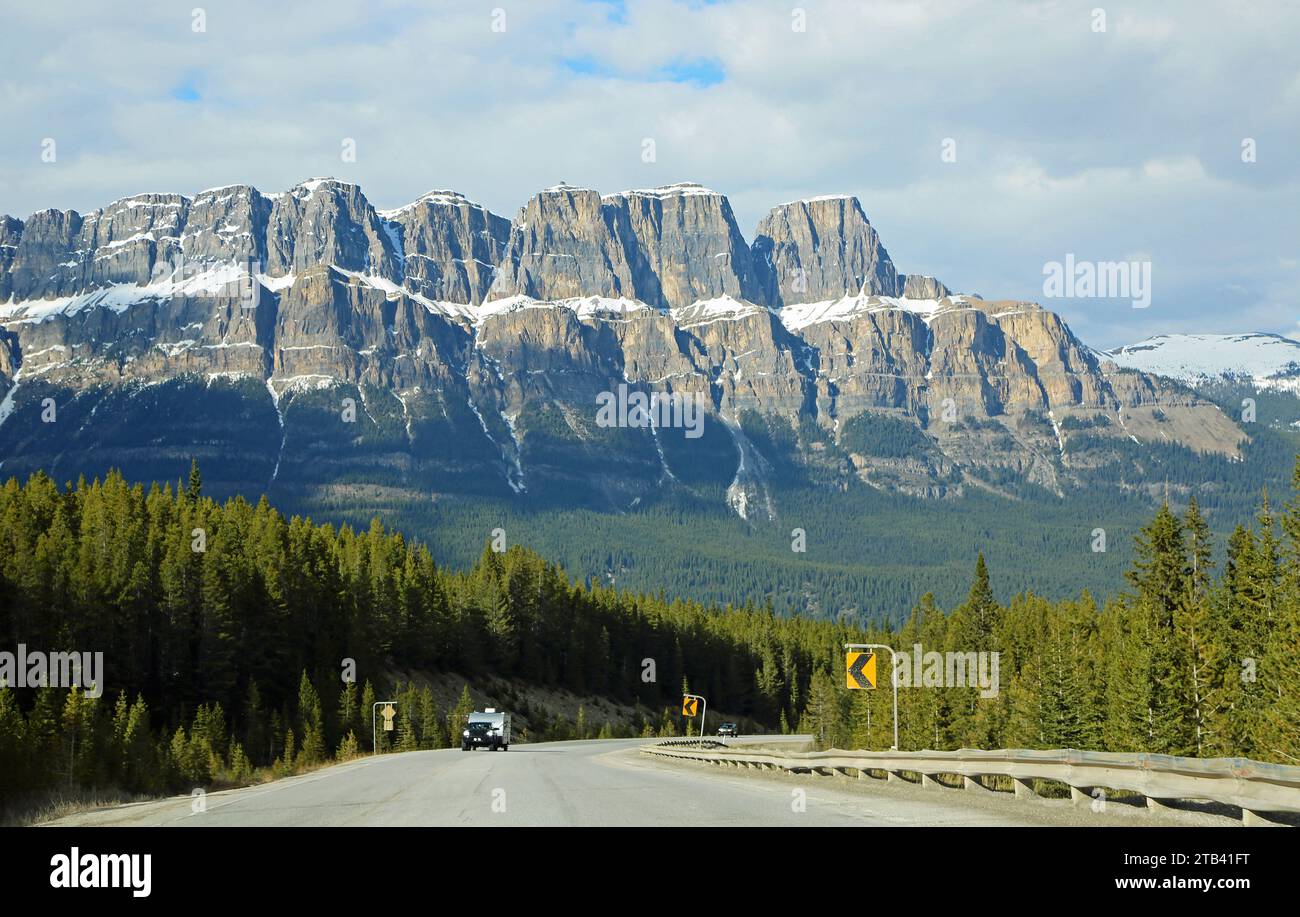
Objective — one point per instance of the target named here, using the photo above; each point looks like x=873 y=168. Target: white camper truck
x=490 y=729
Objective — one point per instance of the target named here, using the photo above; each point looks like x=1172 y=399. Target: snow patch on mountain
x=216 y=280
x=681 y=189
x=445 y=198
x=585 y=307
x=392 y=290
x=1266 y=360
x=721 y=308
x=847 y=308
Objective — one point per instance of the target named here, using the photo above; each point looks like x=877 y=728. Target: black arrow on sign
x=856 y=669
x=690 y=706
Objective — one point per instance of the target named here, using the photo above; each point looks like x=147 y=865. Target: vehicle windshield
x=480 y=727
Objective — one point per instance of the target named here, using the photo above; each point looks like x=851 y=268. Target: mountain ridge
x=441 y=336
x=1265 y=359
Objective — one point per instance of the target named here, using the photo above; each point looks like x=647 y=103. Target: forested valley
x=241 y=645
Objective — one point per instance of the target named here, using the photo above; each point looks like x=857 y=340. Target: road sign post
x=860 y=669
x=389 y=712
x=689 y=703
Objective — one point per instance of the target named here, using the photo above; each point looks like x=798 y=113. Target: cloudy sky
x=1106 y=141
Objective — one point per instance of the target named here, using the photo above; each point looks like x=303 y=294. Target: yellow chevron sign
x=860 y=669
x=690 y=706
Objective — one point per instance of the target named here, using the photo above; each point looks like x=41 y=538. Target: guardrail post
x=1255 y=820
x=1158 y=806
x=893 y=777
x=970 y=783
x=1079 y=796
x=927 y=780
x=1025 y=789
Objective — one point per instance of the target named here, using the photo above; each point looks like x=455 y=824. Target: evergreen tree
x=459 y=715
x=349 y=713
x=368 y=701
x=310 y=722
x=1202 y=637
x=1160 y=576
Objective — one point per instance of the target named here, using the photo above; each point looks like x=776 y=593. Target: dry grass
x=37 y=808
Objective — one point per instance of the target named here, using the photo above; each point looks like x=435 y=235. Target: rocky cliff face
x=666 y=247
x=450 y=246
x=822 y=249
x=439 y=348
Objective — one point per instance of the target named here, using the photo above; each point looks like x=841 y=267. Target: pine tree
x=310 y=722
x=367 y=712
x=459 y=715
x=14 y=762
x=349 y=712
x=1128 y=690
x=432 y=733
x=194 y=492
x=860 y=725
x=1203 y=639
x=289 y=761
x=1160 y=574
x=350 y=747
x=1276 y=733
x=823 y=717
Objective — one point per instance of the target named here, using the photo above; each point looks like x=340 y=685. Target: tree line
x=1187 y=660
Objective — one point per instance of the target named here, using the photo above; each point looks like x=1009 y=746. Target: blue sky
x=1122 y=143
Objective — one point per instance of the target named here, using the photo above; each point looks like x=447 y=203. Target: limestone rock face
x=11 y=233
x=687 y=238
x=667 y=247
x=227 y=224
x=328 y=222
x=561 y=246
x=915 y=286
x=46 y=261
x=450 y=246
x=471 y=351
x=821 y=249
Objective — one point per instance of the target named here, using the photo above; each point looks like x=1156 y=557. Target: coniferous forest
x=226 y=628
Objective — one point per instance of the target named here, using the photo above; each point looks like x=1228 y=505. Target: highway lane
x=592 y=783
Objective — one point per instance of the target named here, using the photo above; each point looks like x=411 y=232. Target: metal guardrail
x=1252 y=786
x=691 y=743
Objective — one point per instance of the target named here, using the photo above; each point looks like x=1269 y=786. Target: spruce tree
x=349 y=713
x=1160 y=575
x=1202 y=636
x=1276 y=734
x=310 y=722
x=459 y=714
x=367 y=713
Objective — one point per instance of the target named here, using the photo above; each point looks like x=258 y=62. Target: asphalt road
x=589 y=783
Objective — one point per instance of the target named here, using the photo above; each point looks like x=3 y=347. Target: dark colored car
x=478 y=735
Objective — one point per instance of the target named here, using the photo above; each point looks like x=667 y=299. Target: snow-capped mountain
x=306 y=341
x=1265 y=360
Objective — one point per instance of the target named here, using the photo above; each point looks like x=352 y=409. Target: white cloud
x=1067 y=140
